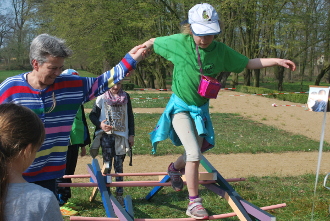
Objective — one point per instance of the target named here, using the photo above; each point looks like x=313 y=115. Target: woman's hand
x=142 y=51
x=138 y=52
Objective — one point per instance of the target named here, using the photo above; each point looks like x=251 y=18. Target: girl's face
x=203 y=41
x=115 y=88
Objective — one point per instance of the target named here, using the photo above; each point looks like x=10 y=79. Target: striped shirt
x=67 y=93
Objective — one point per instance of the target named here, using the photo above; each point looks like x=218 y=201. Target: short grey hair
x=44 y=45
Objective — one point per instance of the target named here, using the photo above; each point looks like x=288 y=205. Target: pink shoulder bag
x=209 y=87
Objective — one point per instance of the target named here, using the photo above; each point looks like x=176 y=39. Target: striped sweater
x=68 y=92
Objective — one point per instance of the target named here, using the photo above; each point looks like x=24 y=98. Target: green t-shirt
x=180 y=50
x=77 y=134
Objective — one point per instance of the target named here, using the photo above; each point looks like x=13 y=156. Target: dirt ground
x=293 y=119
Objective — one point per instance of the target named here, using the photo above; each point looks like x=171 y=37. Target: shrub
x=287 y=96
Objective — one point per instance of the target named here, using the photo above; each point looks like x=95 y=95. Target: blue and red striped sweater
x=69 y=91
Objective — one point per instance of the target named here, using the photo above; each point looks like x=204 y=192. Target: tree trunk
x=256 y=82
x=138 y=80
x=324 y=70
x=222 y=78
x=150 y=80
x=234 y=80
x=280 y=76
x=247 y=77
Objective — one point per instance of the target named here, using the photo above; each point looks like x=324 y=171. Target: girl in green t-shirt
x=192 y=52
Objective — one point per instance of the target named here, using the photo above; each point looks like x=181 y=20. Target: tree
x=100 y=32
x=5 y=28
x=23 y=10
x=322 y=73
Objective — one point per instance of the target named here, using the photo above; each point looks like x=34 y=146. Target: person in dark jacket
x=112 y=115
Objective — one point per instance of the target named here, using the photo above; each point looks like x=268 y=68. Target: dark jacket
x=96 y=112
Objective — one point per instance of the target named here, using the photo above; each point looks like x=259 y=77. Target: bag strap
x=199 y=60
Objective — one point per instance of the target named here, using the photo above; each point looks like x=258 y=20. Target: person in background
x=21 y=135
x=79 y=138
x=186 y=119
x=112 y=115
x=311 y=100
x=321 y=101
x=56 y=98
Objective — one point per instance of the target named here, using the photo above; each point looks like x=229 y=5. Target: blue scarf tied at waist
x=200 y=115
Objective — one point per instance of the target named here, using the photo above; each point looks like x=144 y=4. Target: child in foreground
x=186 y=119
x=21 y=135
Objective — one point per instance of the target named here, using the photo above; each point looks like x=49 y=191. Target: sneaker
x=72 y=206
x=67 y=211
x=196 y=210
x=176 y=179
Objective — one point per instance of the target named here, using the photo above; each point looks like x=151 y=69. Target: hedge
x=288 y=96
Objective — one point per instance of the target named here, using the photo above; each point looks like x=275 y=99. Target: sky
x=3 y=5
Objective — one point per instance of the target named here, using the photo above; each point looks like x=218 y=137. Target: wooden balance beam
x=204 y=177
x=243 y=209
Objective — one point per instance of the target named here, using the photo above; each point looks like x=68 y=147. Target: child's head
x=21 y=131
x=116 y=88
x=70 y=72
x=19 y=127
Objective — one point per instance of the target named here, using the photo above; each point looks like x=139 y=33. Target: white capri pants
x=185 y=128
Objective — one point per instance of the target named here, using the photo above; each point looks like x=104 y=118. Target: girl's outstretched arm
x=149 y=43
x=258 y=63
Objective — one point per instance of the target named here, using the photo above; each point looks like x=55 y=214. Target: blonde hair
x=19 y=127
x=185 y=29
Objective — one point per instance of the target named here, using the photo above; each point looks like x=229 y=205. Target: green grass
x=143 y=100
x=149 y=100
x=6 y=74
x=233 y=134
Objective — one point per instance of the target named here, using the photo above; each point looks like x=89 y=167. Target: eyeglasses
x=53 y=105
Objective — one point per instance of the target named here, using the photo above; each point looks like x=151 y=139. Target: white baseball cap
x=204 y=20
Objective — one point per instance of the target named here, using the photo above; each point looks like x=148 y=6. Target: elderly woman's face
x=50 y=70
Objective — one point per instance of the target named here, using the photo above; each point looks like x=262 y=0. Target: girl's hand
x=287 y=64
x=131 y=140
x=138 y=52
x=149 y=43
x=142 y=51
x=105 y=127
